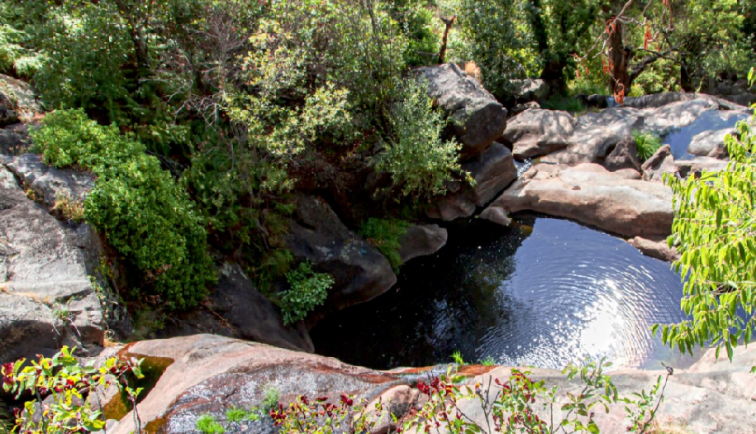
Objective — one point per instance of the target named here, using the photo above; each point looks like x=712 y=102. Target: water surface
x=544 y=294
x=714 y=120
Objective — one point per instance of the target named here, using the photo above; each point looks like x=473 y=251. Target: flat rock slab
x=591 y=195
x=43 y=276
x=477 y=118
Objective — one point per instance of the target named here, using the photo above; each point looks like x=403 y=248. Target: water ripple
x=545 y=299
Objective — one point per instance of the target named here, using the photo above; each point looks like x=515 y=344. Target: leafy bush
x=647 y=143
x=69 y=384
x=307 y=291
x=143 y=213
x=384 y=235
x=713 y=231
x=73 y=74
x=420 y=163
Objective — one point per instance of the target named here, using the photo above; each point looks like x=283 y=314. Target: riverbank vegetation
x=715 y=232
x=223 y=109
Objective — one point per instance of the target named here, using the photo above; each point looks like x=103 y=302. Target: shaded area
x=544 y=299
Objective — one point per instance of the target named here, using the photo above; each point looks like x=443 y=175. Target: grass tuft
x=647 y=144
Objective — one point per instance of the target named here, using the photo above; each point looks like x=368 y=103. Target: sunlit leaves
x=715 y=231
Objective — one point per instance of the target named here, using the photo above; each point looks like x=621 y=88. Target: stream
x=543 y=293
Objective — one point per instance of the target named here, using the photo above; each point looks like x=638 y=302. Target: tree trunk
x=619 y=56
x=442 y=52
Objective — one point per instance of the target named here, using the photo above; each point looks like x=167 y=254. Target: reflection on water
x=714 y=120
x=544 y=299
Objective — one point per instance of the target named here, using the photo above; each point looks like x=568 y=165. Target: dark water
x=678 y=141
x=544 y=294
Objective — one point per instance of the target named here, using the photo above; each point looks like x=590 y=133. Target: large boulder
x=360 y=272
x=597 y=135
x=710 y=143
x=476 y=117
x=422 y=240
x=46 y=296
x=538 y=132
x=48 y=184
x=493 y=170
x=529 y=89
x=591 y=195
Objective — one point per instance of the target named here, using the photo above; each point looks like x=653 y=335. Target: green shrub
x=307 y=291
x=206 y=424
x=384 y=235
x=143 y=213
x=648 y=144
x=420 y=163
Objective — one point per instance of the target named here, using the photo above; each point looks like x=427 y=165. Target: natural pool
x=544 y=293
x=714 y=120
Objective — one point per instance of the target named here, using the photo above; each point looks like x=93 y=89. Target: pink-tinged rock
x=591 y=195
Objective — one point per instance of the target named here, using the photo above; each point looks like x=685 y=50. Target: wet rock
x=360 y=272
x=660 y=163
x=46 y=296
x=492 y=171
x=538 y=132
x=591 y=195
x=476 y=117
x=48 y=184
x=655 y=247
x=529 y=89
x=710 y=143
x=211 y=374
x=422 y=240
